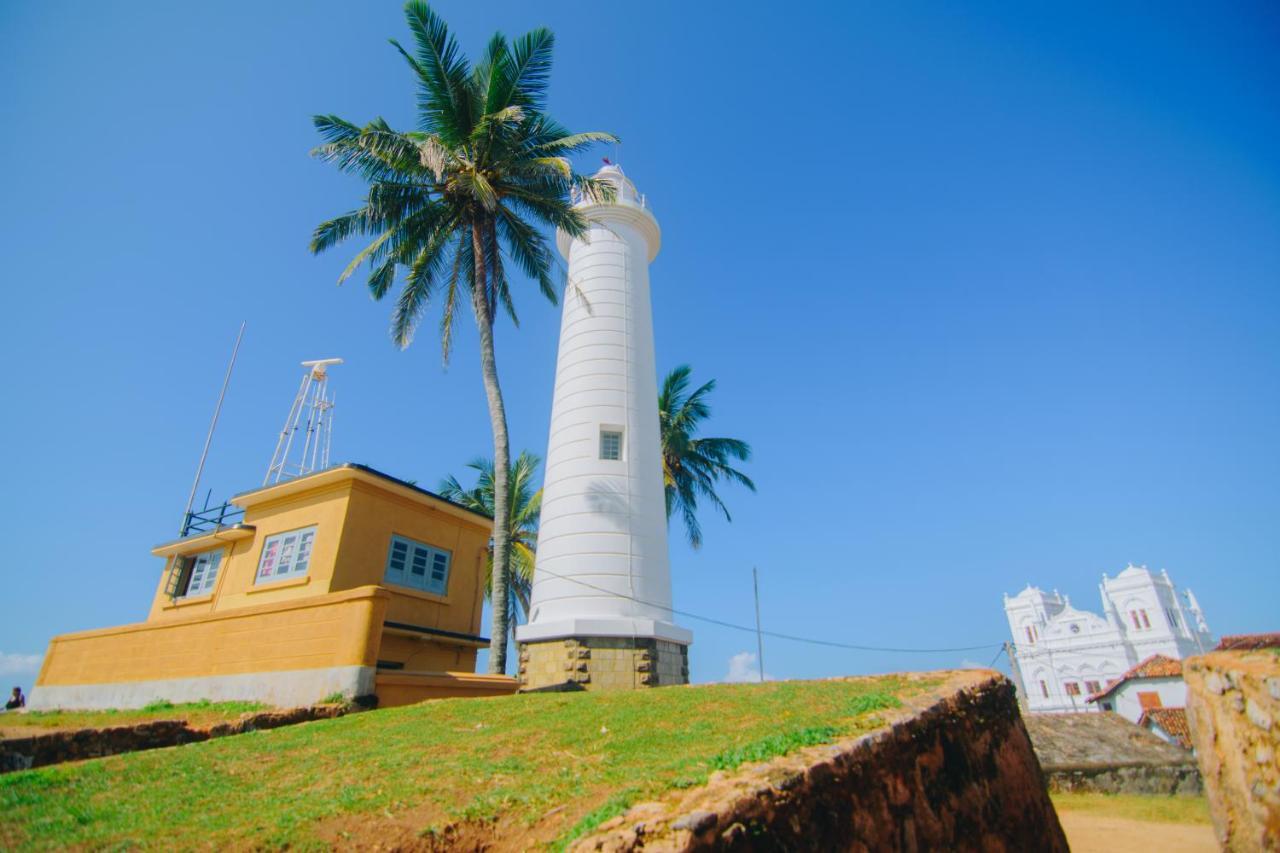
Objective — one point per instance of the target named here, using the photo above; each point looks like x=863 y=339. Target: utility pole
x=755 y=584
x=1016 y=672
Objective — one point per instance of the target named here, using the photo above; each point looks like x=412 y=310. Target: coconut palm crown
x=525 y=507
x=453 y=202
x=693 y=466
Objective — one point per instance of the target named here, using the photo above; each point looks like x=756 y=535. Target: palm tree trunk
x=498 y=594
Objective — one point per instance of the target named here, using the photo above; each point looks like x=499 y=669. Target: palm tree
x=451 y=202
x=522 y=522
x=692 y=466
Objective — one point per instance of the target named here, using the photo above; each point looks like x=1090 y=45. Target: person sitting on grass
x=17 y=700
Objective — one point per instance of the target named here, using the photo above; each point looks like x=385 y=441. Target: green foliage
x=1142 y=807
x=456 y=202
x=337 y=697
x=524 y=508
x=197 y=713
x=773 y=746
x=515 y=758
x=875 y=700
x=692 y=467
x=471 y=186
x=617 y=804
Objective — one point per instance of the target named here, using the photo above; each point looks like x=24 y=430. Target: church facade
x=1062 y=655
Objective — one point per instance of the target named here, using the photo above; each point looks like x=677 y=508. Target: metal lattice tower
x=312 y=414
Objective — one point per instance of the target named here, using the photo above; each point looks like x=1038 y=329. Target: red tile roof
x=1172 y=721
x=1248 y=642
x=1156 y=666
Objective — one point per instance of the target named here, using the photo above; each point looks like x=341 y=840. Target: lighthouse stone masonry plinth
x=600 y=614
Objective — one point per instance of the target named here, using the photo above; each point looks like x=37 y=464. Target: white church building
x=1062 y=655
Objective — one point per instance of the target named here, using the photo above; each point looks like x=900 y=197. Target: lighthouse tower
x=600 y=615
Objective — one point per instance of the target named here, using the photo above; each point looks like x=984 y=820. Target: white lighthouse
x=600 y=614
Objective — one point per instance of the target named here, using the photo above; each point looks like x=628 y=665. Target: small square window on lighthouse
x=610 y=443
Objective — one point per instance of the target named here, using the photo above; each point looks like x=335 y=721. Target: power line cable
x=751 y=629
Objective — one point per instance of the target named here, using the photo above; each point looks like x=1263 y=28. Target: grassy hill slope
x=546 y=767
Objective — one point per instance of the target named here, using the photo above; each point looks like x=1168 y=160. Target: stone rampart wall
x=1105 y=753
x=959 y=775
x=1233 y=706
x=1150 y=779
x=45 y=748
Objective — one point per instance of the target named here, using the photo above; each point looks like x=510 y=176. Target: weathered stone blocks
x=1105 y=753
x=602 y=663
x=1233 y=704
x=958 y=774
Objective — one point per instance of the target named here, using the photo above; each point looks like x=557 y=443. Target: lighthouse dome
x=622 y=185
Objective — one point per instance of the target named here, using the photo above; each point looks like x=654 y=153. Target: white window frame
x=403 y=556
x=199 y=572
x=290 y=553
x=611 y=432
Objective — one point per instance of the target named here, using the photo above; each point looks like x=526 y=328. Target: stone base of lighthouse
x=602 y=663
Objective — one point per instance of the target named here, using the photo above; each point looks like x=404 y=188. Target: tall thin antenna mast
x=312 y=413
x=208 y=439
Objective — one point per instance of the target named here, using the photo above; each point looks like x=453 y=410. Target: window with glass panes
x=196 y=573
x=286 y=555
x=417 y=565
x=610 y=444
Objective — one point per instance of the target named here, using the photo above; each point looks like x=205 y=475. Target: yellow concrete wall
x=342 y=629
x=395 y=688
x=373 y=515
x=426 y=654
x=325 y=508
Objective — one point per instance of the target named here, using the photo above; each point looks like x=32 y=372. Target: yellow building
x=345 y=581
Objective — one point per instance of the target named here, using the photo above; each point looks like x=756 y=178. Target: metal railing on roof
x=211 y=518
x=626 y=196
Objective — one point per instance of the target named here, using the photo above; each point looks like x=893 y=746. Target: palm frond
x=692 y=467
x=419 y=285
x=526 y=71
x=529 y=249
x=525 y=506
x=571 y=143
x=444 y=104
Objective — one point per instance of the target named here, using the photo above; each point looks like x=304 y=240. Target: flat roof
x=355 y=466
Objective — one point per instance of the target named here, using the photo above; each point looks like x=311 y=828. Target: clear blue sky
x=995 y=295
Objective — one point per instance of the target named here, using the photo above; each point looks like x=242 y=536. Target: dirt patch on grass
x=426 y=828
x=1096 y=833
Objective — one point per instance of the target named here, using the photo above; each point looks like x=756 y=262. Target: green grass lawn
x=1154 y=809
x=196 y=713
x=583 y=757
